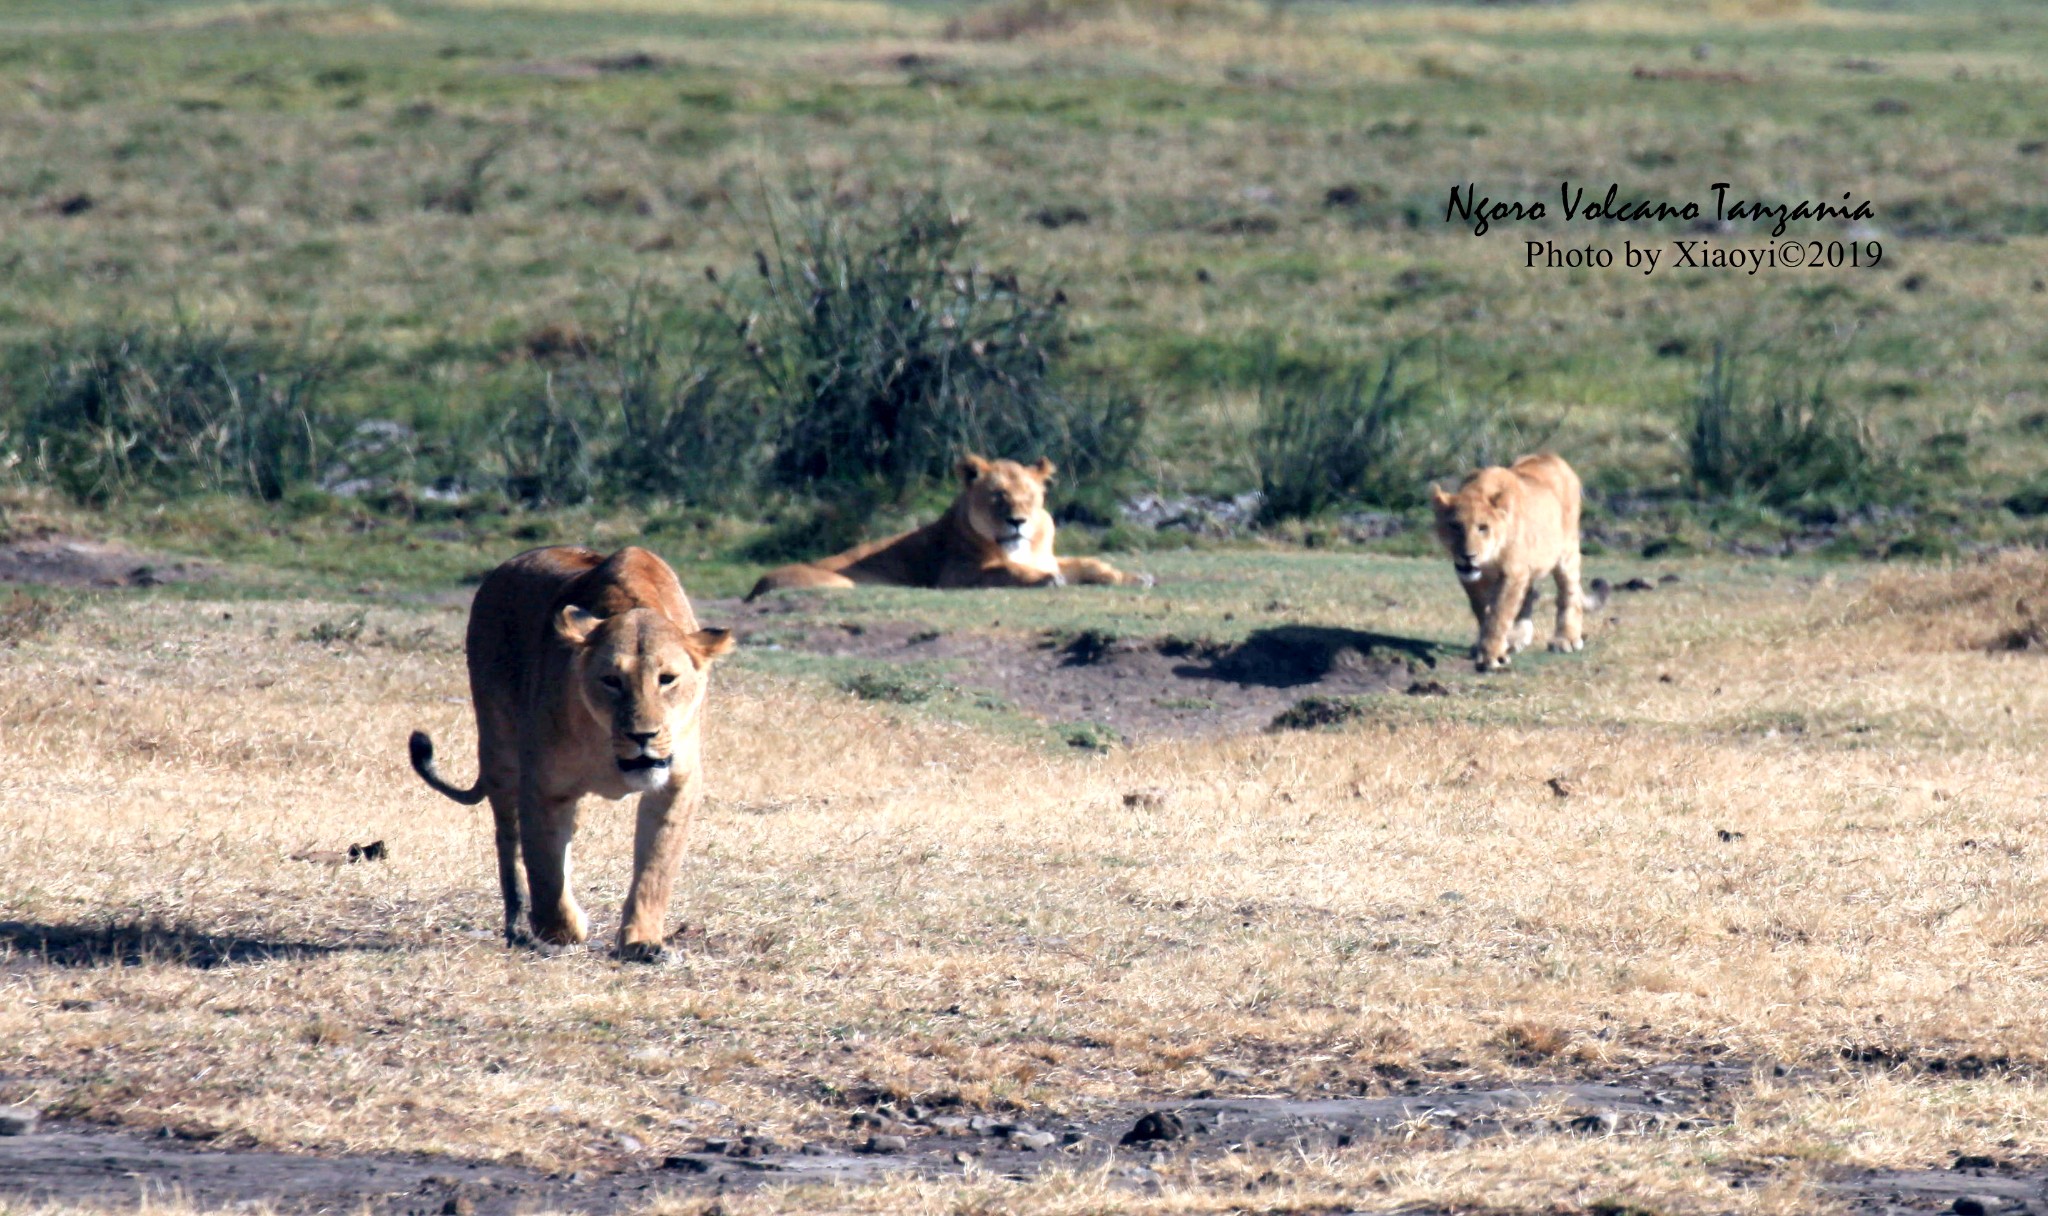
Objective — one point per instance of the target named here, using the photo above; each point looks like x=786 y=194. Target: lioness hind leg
x=545 y=828
x=788 y=578
x=1091 y=571
x=505 y=811
x=1571 y=605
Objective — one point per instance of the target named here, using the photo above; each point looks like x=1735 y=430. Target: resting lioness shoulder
x=996 y=533
x=1504 y=529
x=587 y=675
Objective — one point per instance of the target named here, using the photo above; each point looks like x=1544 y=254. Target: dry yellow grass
x=881 y=900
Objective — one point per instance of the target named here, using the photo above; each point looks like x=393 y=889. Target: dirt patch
x=1136 y=688
x=74 y=1164
x=66 y=561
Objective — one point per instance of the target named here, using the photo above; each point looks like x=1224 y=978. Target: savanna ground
x=1780 y=819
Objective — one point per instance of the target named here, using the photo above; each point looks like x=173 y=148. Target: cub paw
x=649 y=953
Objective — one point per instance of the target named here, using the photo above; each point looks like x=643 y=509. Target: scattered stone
x=1974 y=1205
x=373 y=851
x=813 y=1148
x=949 y=1125
x=1150 y=798
x=690 y=1163
x=887 y=1144
x=18 y=1120
x=1427 y=688
x=1159 y=1125
x=1596 y=1123
x=1639 y=584
x=1974 y=1161
x=629 y=1143
x=1665 y=580
x=1074 y=1135
x=1727 y=837
x=1031 y=1141
x=1562 y=787
x=459 y=1205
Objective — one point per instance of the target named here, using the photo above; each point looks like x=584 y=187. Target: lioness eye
x=613 y=683
x=1482 y=529
x=667 y=678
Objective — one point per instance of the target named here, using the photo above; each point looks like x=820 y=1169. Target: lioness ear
x=709 y=644
x=1045 y=469
x=575 y=626
x=1440 y=500
x=971 y=467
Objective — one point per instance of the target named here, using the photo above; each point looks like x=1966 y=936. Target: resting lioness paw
x=587 y=674
x=1504 y=529
x=996 y=533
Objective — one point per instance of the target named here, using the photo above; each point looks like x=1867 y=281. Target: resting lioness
x=1506 y=528
x=996 y=534
x=587 y=674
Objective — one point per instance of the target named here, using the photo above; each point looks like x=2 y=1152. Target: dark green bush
x=882 y=353
x=1776 y=433
x=106 y=412
x=1331 y=439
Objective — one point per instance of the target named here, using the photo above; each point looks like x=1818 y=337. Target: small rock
x=1727 y=837
x=813 y=1148
x=1031 y=1142
x=18 y=1120
x=1597 y=1123
x=1073 y=1136
x=690 y=1163
x=1665 y=580
x=459 y=1205
x=630 y=1144
x=1158 y=1125
x=1151 y=798
x=1974 y=1161
x=949 y=1125
x=1639 y=584
x=1427 y=688
x=1562 y=787
x=718 y=1145
x=887 y=1144
x=980 y=1125
x=1974 y=1205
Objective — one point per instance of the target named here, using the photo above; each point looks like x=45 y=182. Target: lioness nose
x=642 y=737
x=1018 y=521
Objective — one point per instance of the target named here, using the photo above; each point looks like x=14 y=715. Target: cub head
x=642 y=677
x=1473 y=524
x=1001 y=497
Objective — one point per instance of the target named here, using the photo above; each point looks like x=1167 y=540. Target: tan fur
x=584 y=670
x=997 y=533
x=1504 y=529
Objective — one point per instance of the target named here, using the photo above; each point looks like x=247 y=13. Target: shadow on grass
x=1288 y=656
x=132 y=945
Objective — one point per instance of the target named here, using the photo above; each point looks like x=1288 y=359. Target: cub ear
x=1045 y=469
x=575 y=626
x=709 y=644
x=971 y=467
x=1438 y=499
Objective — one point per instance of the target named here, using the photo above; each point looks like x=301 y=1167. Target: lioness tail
x=423 y=764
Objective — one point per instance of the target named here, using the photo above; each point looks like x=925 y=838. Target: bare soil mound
x=1137 y=687
x=68 y=561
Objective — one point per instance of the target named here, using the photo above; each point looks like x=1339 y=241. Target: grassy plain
x=883 y=901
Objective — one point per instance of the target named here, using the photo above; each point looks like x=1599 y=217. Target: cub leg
x=1524 y=634
x=1571 y=604
x=545 y=826
x=1479 y=593
x=1501 y=611
x=505 y=812
x=664 y=823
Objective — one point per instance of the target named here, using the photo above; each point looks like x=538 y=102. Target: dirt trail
x=54 y=560
x=89 y=1165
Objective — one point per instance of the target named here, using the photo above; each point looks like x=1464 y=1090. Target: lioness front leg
x=1571 y=605
x=546 y=825
x=664 y=822
x=1501 y=613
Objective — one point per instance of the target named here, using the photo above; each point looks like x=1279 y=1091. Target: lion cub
x=587 y=674
x=1504 y=529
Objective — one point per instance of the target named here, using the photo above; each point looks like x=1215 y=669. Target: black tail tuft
x=422 y=749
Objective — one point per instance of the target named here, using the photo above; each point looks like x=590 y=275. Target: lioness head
x=644 y=678
x=1002 y=496
x=1472 y=524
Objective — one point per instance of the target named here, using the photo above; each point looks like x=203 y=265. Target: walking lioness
x=997 y=533
x=587 y=674
x=1506 y=528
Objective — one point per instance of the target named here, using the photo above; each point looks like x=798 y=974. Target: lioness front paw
x=1567 y=645
x=1501 y=663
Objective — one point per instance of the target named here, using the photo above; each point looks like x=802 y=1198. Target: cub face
x=1472 y=526
x=642 y=678
x=1002 y=498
